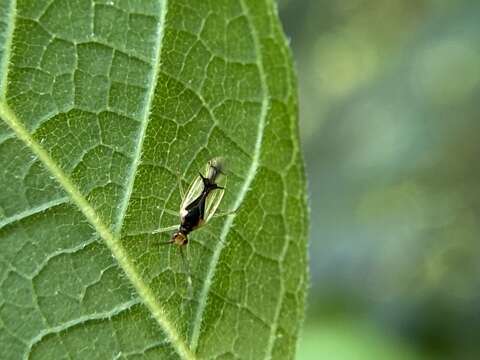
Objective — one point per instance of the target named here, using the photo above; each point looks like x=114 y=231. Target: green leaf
x=102 y=103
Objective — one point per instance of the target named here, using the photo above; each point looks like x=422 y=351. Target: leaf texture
x=102 y=103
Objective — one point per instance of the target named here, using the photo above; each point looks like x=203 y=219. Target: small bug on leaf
x=199 y=205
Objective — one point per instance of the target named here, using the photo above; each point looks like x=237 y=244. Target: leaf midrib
x=112 y=240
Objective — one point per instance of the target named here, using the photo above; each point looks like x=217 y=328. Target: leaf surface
x=102 y=104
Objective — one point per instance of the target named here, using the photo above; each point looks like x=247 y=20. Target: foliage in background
x=102 y=103
x=390 y=121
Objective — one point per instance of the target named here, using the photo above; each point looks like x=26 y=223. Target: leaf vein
x=202 y=302
x=7 y=49
x=145 y=120
x=81 y=320
x=33 y=211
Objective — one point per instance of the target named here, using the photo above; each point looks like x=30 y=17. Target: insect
x=199 y=204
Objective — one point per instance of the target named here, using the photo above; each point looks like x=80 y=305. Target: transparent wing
x=214 y=199
x=194 y=191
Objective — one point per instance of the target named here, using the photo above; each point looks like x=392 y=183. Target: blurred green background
x=390 y=121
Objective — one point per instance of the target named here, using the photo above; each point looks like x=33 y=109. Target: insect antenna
x=167 y=242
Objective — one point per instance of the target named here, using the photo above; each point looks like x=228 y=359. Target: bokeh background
x=390 y=121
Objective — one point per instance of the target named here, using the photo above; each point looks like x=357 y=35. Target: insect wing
x=193 y=192
x=213 y=201
x=215 y=169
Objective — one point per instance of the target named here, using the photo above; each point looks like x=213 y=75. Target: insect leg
x=217 y=215
x=180 y=186
x=186 y=267
x=171 y=212
x=165 y=229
